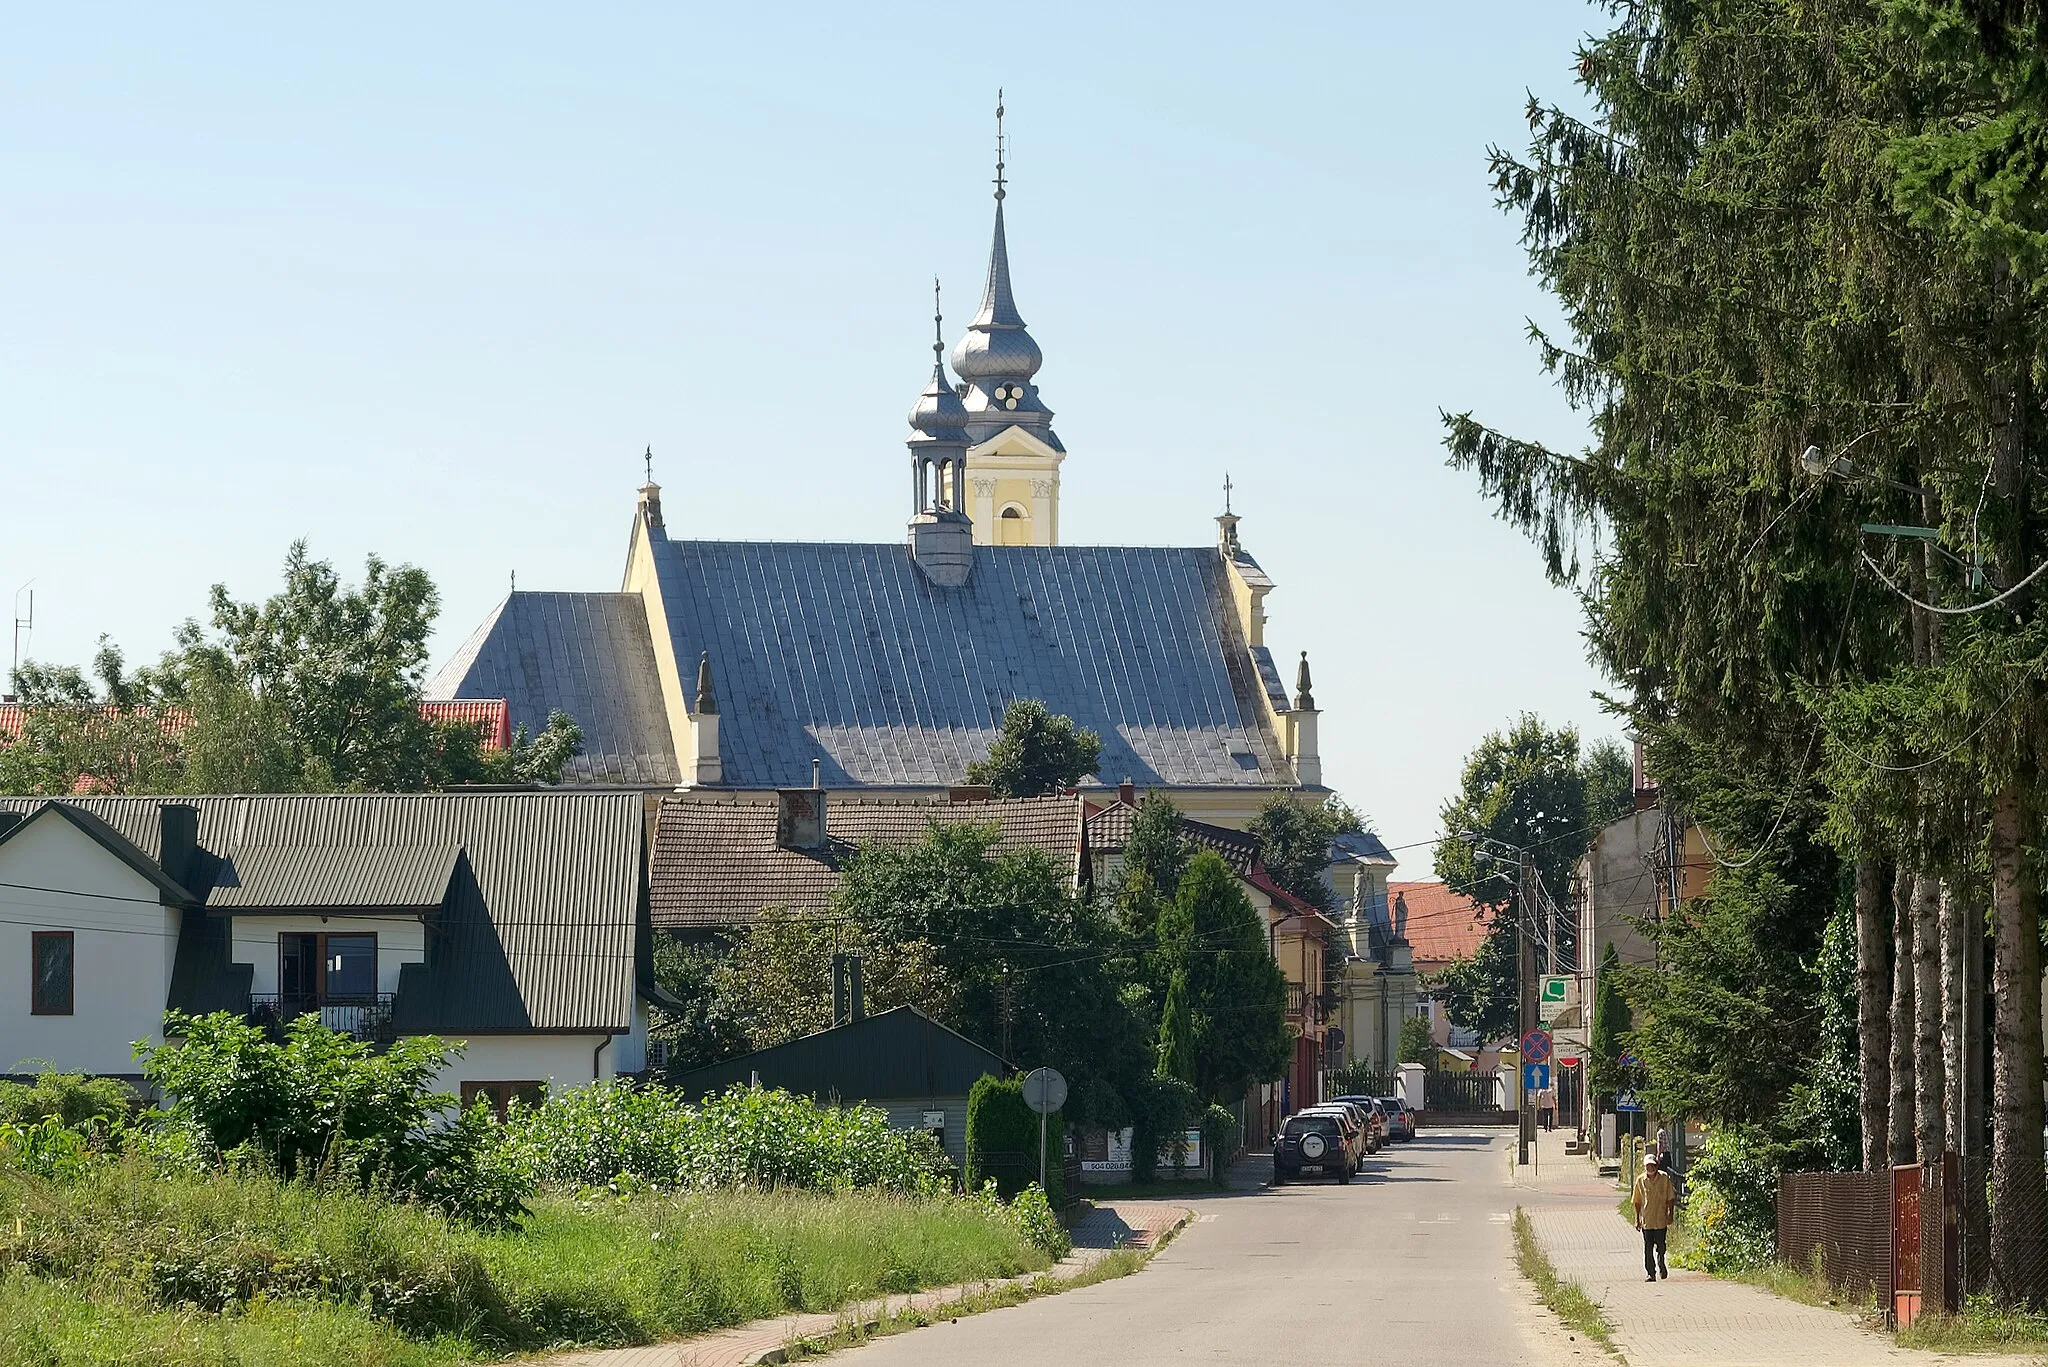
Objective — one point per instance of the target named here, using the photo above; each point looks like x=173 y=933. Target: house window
x=52 y=969
x=501 y=1095
x=314 y=969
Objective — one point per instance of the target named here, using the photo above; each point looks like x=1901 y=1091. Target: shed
x=900 y=1061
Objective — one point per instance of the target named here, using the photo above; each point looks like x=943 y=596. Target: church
x=748 y=667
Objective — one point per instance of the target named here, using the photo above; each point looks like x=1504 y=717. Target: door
x=298 y=973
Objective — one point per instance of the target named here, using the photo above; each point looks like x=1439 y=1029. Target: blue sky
x=425 y=280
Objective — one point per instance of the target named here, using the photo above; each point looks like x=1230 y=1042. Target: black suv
x=1311 y=1143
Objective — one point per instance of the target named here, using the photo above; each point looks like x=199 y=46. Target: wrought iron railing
x=366 y=1017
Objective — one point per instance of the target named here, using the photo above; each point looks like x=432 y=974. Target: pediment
x=1016 y=442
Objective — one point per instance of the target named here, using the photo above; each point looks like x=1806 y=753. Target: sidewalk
x=1692 y=1320
x=1126 y=1224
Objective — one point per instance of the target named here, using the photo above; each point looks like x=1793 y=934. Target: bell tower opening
x=1013 y=526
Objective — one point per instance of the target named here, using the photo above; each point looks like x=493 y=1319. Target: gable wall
x=55 y=877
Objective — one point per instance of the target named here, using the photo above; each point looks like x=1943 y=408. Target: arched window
x=1013 y=526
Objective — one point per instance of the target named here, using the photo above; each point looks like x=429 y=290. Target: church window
x=1013 y=526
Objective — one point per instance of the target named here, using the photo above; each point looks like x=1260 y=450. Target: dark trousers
x=1653 y=1251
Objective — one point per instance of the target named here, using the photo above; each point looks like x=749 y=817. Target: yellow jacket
x=1656 y=1199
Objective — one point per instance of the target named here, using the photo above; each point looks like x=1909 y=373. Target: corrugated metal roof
x=588 y=654
x=846 y=653
x=716 y=862
x=899 y=1053
x=285 y=877
x=540 y=927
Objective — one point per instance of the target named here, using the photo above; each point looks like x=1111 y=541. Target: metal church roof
x=849 y=655
x=588 y=654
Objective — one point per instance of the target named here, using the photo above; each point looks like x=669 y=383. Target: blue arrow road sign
x=1535 y=1077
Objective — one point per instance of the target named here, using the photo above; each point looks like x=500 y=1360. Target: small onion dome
x=938 y=414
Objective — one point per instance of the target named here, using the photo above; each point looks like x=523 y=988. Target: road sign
x=1554 y=996
x=1627 y=1103
x=1045 y=1091
x=1536 y=1047
x=1535 y=1077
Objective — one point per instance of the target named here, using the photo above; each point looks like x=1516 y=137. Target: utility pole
x=1525 y=994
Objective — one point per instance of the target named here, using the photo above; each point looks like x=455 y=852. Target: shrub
x=45 y=1148
x=317 y=1102
x=1002 y=1141
x=609 y=1134
x=1731 y=1201
x=1163 y=1109
x=1220 y=1135
x=1033 y=1214
x=71 y=1098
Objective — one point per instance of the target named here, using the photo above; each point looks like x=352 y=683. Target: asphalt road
x=1409 y=1266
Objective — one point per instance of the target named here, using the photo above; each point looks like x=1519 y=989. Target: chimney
x=707 y=766
x=177 y=826
x=1127 y=792
x=856 y=1001
x=800 y=818
x=839 y=989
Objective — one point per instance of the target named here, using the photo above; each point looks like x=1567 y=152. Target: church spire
x=997 y=357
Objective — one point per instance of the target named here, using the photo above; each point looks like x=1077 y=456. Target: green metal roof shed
x=895 y=1055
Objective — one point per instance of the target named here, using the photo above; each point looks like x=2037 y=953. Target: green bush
x=1162 y=1109
x=1220 y=1135
x=1731 y=1201
x=71 y=1098
x=316 y=1101
x=1002 y=1141
x=611 y=1133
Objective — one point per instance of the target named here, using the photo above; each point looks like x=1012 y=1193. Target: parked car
x=1400 y=1120
x=1312 y=1142
x=1375 y=1117
x=1357 y=1132
x=1360 y=1117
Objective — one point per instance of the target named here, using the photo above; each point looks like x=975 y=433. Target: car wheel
x=1344 y=1177
x=1279 y=1176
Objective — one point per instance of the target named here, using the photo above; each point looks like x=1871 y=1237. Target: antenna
x=999 y=144
x=21 y=624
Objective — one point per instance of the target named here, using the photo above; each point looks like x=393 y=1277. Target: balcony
x=366 y=1018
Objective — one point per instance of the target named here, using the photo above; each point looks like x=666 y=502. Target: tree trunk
x=2019 y=1198
x=1873 y=998
x=1955 y=1016
x=1928 y=1073
x=1904 y=1023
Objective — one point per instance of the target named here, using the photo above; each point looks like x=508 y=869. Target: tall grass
x=129 y=1263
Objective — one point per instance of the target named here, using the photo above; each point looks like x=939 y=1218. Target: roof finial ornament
x=1304 y=701
x=938 y=326
x=1227 y=487
x=707 y=701
x=650 y=463
x=999 y=144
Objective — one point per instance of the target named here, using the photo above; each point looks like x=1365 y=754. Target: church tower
x=1013 y=460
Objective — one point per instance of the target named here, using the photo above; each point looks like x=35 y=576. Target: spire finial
x=1227 y=487
x=999 y=144
x=1304 y=700
x=938 y=326
x=649 y=458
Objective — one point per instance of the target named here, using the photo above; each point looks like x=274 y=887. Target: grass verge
x=132 y=1265
x=1564 y=1297
x=1980 y=1328
x=850 y=1332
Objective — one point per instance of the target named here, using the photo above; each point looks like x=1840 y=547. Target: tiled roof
x=716 y=862
x=539 y=929
x=488 y=714
x=1442 y=925
x=847 y=654
x=588 y=654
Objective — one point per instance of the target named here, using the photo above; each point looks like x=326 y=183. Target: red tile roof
x=489 y=714
x=1443 y=926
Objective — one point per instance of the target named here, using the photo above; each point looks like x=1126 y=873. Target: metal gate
x=1926 y=1249
x=1460 y=1092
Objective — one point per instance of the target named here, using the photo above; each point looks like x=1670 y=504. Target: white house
x=515 y=923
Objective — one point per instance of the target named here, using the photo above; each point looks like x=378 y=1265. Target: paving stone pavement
x=1124 y=1224
x=1693 y=1319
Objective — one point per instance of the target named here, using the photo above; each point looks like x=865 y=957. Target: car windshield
x=1391 y=1104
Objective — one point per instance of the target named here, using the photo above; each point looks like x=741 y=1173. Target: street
x=1411 y=1264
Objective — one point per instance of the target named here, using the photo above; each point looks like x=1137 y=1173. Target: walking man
x=1656 y=1200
